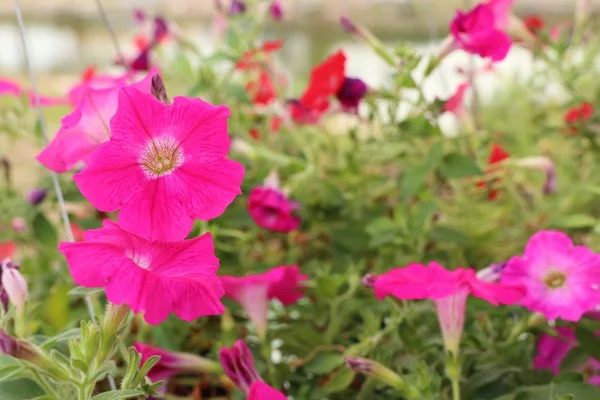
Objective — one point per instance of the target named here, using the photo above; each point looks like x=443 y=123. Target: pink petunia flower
x=83 y=130
x=11 y=88
x=261 y=391
x=253 y=292
x=271 y=209
x=155 y=277
x=164 y=166
x=562 y=279
x=238 y=364
x=174 y=363
x=448 y=290
x=481 y=30
x=552 y=350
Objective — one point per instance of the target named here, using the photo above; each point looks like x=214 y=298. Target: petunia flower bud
x=174 y=363
x=491 y=273
x=544 y=164
x=22 y=350
x=369 y=280
x=238 y=365
x=36 y=196
x=375 y=370
x=14 y=285
x=348 y=26
x=276 y=10
x=237 y=7
x=158 y=89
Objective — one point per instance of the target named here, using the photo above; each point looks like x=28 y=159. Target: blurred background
x=66 y=36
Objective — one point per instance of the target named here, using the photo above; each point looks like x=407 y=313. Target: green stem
x=44 y=384
x=455 y=390
x=266 y=352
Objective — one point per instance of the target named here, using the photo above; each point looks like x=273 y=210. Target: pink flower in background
x=164 y=166
x=253 y=292
x=86 y=127
x=11 y=88
x=271 y=209
x=174 y=363
x=455 y=103
x=552 y=350
x=276 y=10
x=448 y=290
x=562 y=280
x=480 y=30
x=90 y=78
x=150 y=276
x=238 y=364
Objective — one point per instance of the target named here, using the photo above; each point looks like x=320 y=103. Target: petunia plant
x=212 y=225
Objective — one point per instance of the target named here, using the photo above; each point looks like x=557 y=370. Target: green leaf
x=324 y=363
x=83 y=291
x=44 y=232
x=456 y=166
x=339 y=381
x=19 y=389
x=412 y=180
x=588 y=341
x=57 y=307
x=70 y=334
x=118 y=394
x=445 y=234
x=574 y=221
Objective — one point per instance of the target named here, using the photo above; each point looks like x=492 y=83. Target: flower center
x=555 y=279
x=161 y=157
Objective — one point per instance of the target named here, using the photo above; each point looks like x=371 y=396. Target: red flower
x=534 y=23
x=276 y=123
x=575 y=117
x=326 y=80
x=497 y=155
x=251 y=58
x=261 y=90
x=7 y=249
x=254 y=133
x=141 y=41
x=88 y=73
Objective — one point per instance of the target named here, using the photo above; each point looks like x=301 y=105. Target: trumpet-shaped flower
x=448 y=290
x=155 y=277
x=164 y=166
x=552 y=350
x=174 y=363
x=253 y=292
x=562 y=280
x=83 y=130
x=238 y=364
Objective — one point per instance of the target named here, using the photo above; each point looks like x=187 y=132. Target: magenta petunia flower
x=238 y=364
x=11 y=88
x=155 y=277
x=271 y=209
x=164 y=166
x=562 y=279
x=481 y=30
x=261 y=391
x=253 y=292
x=552 y=350
x=83 y=130
x=448 y=290
x=174 y=363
